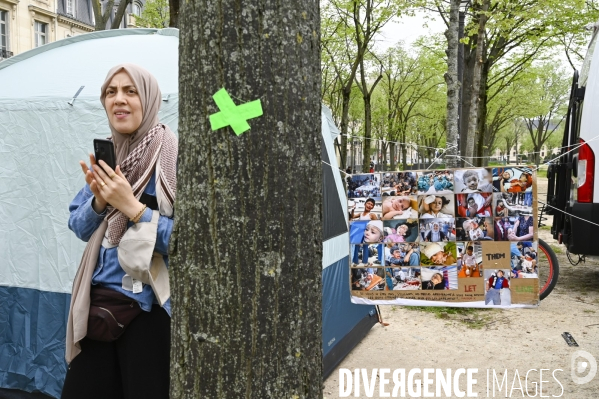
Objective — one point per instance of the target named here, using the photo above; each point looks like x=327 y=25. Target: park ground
x=505 y=342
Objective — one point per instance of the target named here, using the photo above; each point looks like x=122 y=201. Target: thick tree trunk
x=392 y=151
x=466 y=93
x=246 y=252
x=483 y=139
x=476 y=77
x=453 y=85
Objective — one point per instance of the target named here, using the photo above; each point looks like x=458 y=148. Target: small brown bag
x=110 y=313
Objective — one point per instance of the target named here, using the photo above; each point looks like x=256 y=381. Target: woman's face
x=506 y=175
x=437 y=204
x=435 y=227
x=372 y=234
x=123 y=105
x=523 y=178
x=499 y=273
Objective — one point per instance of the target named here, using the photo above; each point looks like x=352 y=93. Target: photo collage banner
x=463 y=237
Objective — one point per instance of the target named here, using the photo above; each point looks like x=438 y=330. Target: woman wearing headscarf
x=126 y=217
x=436 y=234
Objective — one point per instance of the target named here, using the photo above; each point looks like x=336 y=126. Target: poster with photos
x=455 y=237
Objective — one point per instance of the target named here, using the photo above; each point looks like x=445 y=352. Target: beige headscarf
x=158 y=151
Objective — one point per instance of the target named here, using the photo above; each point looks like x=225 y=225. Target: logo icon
x=582 y=362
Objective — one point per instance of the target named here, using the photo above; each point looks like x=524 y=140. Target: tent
x=49 y=114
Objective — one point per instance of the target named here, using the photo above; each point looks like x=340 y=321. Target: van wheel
x=548 y=269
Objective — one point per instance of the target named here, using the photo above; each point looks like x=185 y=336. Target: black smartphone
x=104 y=150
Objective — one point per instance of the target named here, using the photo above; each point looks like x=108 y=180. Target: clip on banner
x=233 y=115
x=569 y=339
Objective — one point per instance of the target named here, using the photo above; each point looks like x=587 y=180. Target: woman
x=432 y=205
x=436 y=235
x=117 y=206
x=523 y=229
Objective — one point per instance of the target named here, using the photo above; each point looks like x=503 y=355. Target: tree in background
x=102 y=13
x=155 y=14
x=349 y=32
x=246 y=252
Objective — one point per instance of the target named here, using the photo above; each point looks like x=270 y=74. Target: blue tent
x=49 y=114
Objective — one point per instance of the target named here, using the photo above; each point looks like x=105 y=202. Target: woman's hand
x=116 y=190
x=99 y=203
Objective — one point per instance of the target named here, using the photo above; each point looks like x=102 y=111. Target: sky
x=408 y=29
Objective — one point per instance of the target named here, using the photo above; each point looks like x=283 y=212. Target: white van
x=574 y=177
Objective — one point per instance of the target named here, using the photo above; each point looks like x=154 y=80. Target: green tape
x=233 y=115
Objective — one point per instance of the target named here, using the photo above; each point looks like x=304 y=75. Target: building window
x=70 y=7
x=3 y=33
x=137 y=9
x=41 y=33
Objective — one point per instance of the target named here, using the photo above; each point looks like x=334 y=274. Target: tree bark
x=453 y=85
x=246 y=251
x=476 y=77
x=120 y=12
x=173 y=7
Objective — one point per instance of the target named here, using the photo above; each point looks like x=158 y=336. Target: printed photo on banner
x=514 y=228
x=406 y=254
x=524 y=259
x=364 y=208
x=362 y=231
x=367 y=279
x=474 y=204
x=436 y=230
x=517 y=182
x=366 y=254
x=503 y=205
x=439 y=278
x=497 y=287
x=474 y=229
x=398 y=184
x=473 y=181
x=400 y=207
x=438 y=253
x=436 y=206
x=435 y=182
x=364 y=186
x=470 y=259
x=400 y=230
x=403 y=278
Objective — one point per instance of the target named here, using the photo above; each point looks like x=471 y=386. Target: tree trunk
x=466 y=91
x=367 y=136
x=246 y=252
x=483 y=139
x=476 y=90
x=120 y=12
x=392 y=154
x=173 y=8
x=453 y=85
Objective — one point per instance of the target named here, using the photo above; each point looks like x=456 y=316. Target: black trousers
x=134 y=366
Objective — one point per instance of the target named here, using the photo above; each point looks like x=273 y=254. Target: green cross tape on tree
x=234 y=115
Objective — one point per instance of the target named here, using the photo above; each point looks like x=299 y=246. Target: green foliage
x=155 y=14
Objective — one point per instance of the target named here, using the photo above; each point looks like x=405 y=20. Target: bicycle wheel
x=548 y=269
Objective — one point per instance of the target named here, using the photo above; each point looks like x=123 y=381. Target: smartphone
x=104 y=150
